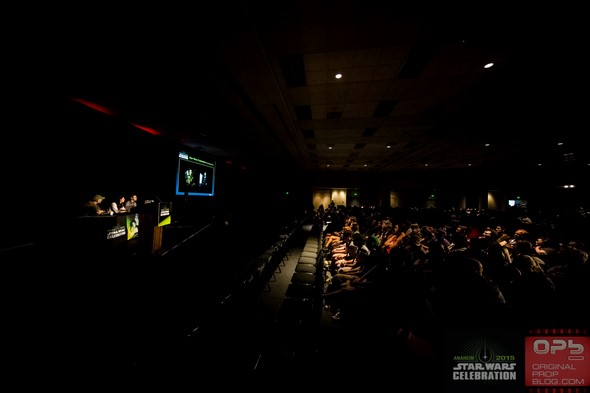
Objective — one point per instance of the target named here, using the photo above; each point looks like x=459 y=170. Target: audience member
x=465 y=292
x=342 y=289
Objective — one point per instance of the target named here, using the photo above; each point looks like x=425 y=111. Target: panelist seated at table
x=118 y=206
x=131 y=203
x=93 y=208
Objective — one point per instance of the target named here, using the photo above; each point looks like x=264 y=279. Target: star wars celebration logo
x=479 y=359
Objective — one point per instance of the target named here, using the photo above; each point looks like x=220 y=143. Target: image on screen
x=194 y=176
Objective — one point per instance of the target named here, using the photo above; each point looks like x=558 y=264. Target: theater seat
x=305 y=268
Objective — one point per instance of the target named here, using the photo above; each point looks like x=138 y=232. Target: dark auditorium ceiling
x=256 y=84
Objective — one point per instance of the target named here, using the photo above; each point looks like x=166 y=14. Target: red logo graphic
x=560 y=360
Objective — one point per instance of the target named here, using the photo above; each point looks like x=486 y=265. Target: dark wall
x=87 y=152
x=53 y=162
x=117 y=157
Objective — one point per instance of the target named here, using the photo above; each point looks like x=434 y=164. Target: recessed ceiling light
x=489 y=65
x=338 y=76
